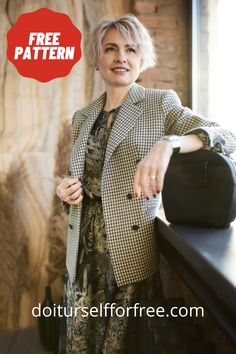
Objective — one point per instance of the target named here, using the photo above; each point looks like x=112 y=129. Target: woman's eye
x=109 y=49
x=132 y=50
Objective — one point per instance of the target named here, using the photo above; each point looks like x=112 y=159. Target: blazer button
x=69 y=173
x=135 y=227
x=70 y=226
x=129 y=196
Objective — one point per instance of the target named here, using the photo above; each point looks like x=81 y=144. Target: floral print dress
x=95 y=283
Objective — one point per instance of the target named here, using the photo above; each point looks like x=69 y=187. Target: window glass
x=214 y=60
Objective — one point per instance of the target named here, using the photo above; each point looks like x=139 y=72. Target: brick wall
x=168 y=23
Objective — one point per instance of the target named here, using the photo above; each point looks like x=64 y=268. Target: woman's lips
x=120 y=70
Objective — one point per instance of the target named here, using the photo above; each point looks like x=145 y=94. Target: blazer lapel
x=126 y=119
x=90 y=113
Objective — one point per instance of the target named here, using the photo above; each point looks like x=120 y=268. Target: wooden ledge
x=205 y=258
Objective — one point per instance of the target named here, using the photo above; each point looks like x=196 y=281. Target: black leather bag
x=200 y=189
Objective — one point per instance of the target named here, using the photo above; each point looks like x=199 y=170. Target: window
x=214 y=60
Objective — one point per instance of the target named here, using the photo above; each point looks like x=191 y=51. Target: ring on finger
x=153 y=178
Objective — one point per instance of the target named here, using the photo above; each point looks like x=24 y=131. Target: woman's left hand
x=150 y=173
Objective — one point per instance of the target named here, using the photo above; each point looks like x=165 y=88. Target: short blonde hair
x=130 y=28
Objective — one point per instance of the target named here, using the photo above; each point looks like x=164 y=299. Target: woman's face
x=119 y=61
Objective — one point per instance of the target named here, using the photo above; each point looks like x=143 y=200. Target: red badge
x=44 y=45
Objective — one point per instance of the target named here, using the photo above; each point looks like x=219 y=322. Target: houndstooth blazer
x=144 y=117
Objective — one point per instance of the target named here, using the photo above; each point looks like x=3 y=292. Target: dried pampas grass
x=15 y=277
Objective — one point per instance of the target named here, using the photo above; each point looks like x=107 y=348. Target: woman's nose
x=121 y=56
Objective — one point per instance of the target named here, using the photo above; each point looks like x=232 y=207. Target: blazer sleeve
x=181 y=120
x=76 y=124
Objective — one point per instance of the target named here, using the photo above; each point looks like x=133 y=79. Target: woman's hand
x=150 y=173
x=70 y=190
x=151 y=170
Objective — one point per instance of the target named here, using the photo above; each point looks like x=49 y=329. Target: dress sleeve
x=181 y=120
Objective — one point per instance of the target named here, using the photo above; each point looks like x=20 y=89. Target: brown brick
x=144 y=7
x=155 y=21
x=170 y=48
x=168 y=26
x=168 y=61
x=169 y=36
x=167 y=2
x=165 y=85
x=147 y=83
x=163 y=74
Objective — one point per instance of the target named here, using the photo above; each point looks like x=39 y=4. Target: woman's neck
x=115 y=97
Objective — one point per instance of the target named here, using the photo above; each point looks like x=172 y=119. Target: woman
x=122 y=144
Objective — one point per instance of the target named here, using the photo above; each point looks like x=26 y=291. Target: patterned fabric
x=95 y=283
x=95 y=153
x=145 y=116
